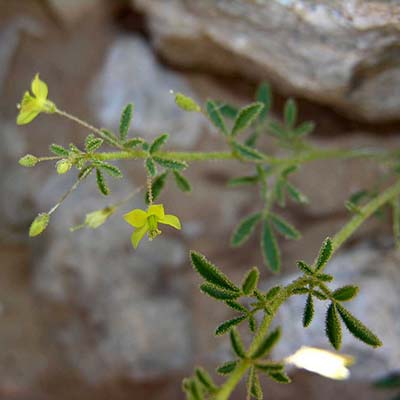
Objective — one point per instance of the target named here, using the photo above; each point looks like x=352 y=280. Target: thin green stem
x=338 y=240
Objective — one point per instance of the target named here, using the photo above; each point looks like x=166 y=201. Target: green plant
x=242 y=130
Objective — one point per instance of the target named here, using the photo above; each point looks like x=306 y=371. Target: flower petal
x=39 y=88
x=171 y=220
x=157 y=210
x=137 y=235
x=26 y=116
x=136 y=218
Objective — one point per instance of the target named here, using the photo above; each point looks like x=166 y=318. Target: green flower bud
x=186 y=103
x=63 y=166
x=97 y=218
x=28 y=161
x=39 y=224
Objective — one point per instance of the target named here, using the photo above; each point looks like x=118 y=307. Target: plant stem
x=338 y=240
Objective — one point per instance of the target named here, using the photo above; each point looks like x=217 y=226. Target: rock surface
x=131 y=74
x=341 y=53
x=377 y=274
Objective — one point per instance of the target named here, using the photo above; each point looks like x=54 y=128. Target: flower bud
x=39 y=224
x=28 y=161
x=63 y=166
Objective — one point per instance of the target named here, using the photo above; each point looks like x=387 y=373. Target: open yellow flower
x=147 y=221
x=33 y=104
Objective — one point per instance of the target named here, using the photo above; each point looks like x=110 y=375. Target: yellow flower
x=147 y=221
x=33 y=104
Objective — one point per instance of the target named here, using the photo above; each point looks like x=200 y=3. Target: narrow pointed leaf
x=319 y=295
x=101 y=183
x=324 y=277
x=273 y=292
x=59 y=150
x=266 y=344
x=246 y=152
x=333 y=328
x=250 y=281
x=237 y=306
x=182 y=183
x=304 y=267
x=358 y=329
x=228 y=110
x=279 y=377
x=131 y=143
x=171 y=164
x=125 y=121
x=111 y=170
x=256 y=390
x=245 y=228
x=345 y=293
x=109 y=137
x=158 y=143
x=237 y=343
x=305 y=128
x=252 y=323
x=215 y=116
x=228 y=325
x=290 y=113
x=268 y=366
x=324 y=254
x=243 y=180
x=285 y=228
x=308 y=311
x=269 y=247
x=211 y=273
x=264 y=96
x=247 y=115
x=205 y=379
x=218 y=293
x=227 y=367
x=296 y=195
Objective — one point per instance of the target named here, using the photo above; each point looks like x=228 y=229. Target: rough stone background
x=79 y=312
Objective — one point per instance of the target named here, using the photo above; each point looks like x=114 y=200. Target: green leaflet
x=227 y=367
x=266 y=344
x=131 y=143
x=252 y=323
x=205 y=379
x=101 y=183
x=284 y=227
x=273 y=292
x=182 y=183
x=58 y=150
x=308 y=311
x=211 y=273
x=357 y=328
x=269 y=247
x=158 y=143
x=237 y=343
x=110 y=169
x=92 y=143
x=250 y=281
x=227 y=325
x=279 y=377
x=157 y=186
x=324 y=277
x=215 y=116
x=319 y=295
x=151 y=167
x=171 y=164
x=109 y=137
x=333 y=328
x=237 y=306
x=264 y=96
x=246 y=116
x=229 y=111
x=304 y=128
x=324 y=254
x=245 y=228
x=254 y=389
x=290 y=113
x=296 y=195
x=304 y=267
x=268 y=366
x=218 y=293
x=125 y=121
x=276 y=129
x=345 y=293
x=246 y=152
x=243 y=180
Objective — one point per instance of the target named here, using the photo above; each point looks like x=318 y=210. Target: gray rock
x=131 y=73
x=136 y=324
x=377 y=306
x=342 y=53
x=71 y=11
